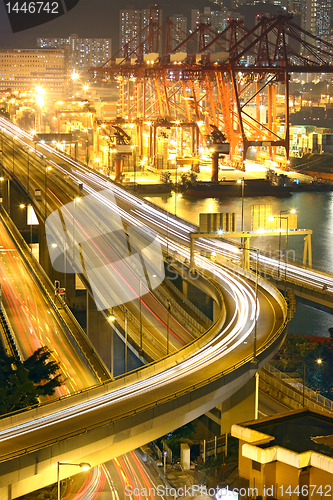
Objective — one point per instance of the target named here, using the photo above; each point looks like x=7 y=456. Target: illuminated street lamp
x=84 y=466
x=29 y=219
x=319 y=362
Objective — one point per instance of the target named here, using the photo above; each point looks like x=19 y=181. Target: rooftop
x=295 y=431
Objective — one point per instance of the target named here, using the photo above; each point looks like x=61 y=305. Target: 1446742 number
x=33 y=7
x=306 y=491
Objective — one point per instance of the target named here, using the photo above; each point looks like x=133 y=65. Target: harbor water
x=314 y=211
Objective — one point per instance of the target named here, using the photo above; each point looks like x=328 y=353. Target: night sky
x=100 y=18
x=90 y=18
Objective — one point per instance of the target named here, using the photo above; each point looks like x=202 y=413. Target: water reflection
x=314 y=211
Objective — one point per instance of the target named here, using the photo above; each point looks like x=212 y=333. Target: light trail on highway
x=214 y=353
x=154 y=317
x=34 y=322
x=181 y=229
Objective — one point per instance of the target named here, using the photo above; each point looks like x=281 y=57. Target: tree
x=21 y=383
x=173 y=439
x=298 y=351
x=42 y=371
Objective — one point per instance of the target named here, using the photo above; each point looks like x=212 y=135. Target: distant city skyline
x=100 y=18
x=90 y=18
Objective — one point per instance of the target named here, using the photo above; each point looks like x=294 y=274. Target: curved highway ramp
x=108 y=420
x=104 y=422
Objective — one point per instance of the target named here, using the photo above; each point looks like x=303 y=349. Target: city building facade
x=83 y=53
x=26 y=69
x=178 y=32
x=140 y=27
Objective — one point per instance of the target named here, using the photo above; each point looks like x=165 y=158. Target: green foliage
x=182 y=435
x=298 y=351
x=22 y=383
x=184 y=432
x=292 y=352
x=42 y=371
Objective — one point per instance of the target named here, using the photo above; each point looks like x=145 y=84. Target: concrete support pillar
x=216 y=310
x=44 y=257
x=13 y=197
x=246 y=254
x=215 y=167
x=99 y=331
x=192 y=252
x=5 y=194
x=184 y=287
x=18 y=208
x=256 y=397
x=6 y=492
x=240 y=407
x=307 y=251
x=118 y=167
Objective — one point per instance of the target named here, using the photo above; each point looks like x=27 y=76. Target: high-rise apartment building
x=140 y=27
x=129 y=29
x=26 y=69
x=317 y=16
x=178 y=32
x=217 y=19
x=83 y=53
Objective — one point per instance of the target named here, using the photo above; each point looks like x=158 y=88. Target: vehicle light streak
x=238 y=328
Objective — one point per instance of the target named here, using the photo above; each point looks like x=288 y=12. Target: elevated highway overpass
x=110 y=419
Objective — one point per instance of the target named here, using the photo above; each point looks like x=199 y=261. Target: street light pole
x=319 y=362
x=243 y=204
x=126 y=334
x=74 y=206
x=286 y=260
x=14 y=137
x=84 y=466
x=168 y=326
x=109 y=160
x=111 y=319
x=87 y=152
x=303 y=384
x=140 y=317
x=256 y=309
x=280 y=244
x=46 y=169
x=29 y=207
x=256 y=299
x=241 y=181
x=28 y=186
